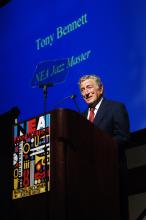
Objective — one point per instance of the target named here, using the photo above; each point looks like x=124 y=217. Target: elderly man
x=111 y=117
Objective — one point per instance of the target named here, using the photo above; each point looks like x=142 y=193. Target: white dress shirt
x=96 y=108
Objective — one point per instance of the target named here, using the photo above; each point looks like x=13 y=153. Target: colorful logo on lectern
x=31 y=157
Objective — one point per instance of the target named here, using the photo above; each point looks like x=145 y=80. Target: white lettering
x=61 y=31
x=41 y=123
x=43 y=42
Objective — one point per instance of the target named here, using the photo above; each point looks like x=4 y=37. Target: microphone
x=67 y=97
x=73 y=96
x=76 y=104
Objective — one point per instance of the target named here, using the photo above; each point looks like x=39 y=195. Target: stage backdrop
x=107 y=38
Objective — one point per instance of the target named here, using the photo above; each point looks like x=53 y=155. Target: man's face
x=90 y=91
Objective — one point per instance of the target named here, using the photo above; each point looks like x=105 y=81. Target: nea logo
x=4 y=2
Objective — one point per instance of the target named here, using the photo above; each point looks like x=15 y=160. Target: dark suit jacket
x=112 y=118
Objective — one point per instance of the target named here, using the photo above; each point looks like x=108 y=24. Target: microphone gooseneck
x=73 y=96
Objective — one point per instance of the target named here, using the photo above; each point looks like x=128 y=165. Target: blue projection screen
x=106 y=38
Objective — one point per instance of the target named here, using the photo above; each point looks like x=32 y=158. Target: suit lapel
x=101 y=112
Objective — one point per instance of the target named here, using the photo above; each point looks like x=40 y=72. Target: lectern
x=83 y=174
x=84 y=167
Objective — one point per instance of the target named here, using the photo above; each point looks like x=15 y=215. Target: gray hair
x=96 y=79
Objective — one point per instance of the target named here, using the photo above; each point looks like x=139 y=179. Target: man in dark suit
x=112 y=118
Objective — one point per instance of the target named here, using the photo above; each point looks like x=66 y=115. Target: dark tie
x=91 y=114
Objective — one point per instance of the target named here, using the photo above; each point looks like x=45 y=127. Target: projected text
x=61 y=31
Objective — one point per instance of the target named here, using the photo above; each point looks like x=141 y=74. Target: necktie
x=91 y=114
